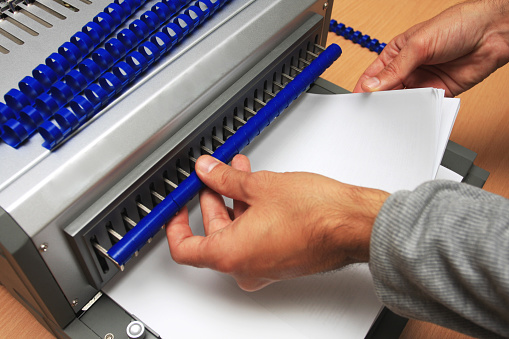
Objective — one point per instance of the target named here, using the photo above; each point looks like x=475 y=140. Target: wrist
x=496 y=33
x=366 y=204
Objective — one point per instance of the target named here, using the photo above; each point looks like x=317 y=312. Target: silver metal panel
x=45 y=191
x=148 y=114
x=22 y=59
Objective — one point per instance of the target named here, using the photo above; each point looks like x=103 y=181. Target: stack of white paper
x=388 y=140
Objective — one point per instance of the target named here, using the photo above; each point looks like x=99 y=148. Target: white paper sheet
x=449 y=109
x=386 y=140
x=446 y=174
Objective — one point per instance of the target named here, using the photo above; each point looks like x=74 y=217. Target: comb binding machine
x=61 y=209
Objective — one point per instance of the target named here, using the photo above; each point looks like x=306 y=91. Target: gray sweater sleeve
x=441 y=254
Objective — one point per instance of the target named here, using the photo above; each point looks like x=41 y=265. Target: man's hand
x=283 y=225
x=455 y=50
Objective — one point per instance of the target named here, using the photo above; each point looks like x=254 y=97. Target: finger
x=178 y=226
x=184 y=246
x=252 y=285
x=370 y=72
x=431 y=76
x=214 y=212
x=178 y=229
x=386 y=57
x=240 y=162
x=190 y=251
x=395 y=73
x=230 y=213
x=222 y=178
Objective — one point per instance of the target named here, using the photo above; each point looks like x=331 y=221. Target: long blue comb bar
x=148 y=226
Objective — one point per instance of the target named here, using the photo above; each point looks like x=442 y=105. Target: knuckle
x=224 y=176
x=392 y=69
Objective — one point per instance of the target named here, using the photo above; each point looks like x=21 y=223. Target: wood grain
x=16 y=321
x=481 y=126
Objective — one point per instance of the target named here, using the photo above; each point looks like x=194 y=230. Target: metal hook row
x=216 y=142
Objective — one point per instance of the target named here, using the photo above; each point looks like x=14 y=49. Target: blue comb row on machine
x=18 y=117
x=148 y=226
x=117 y=74
x=74 y=96
x=356 y=37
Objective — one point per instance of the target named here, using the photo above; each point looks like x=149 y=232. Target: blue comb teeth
x=79 y=63
x=107 y=76
x=356 y=37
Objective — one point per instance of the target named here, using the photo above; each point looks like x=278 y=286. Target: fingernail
x=205 y=164
x=372 y=83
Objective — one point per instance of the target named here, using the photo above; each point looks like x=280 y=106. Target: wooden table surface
x=481 y=126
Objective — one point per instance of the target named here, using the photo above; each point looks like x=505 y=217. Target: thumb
x=221 y=178
x=397 y=71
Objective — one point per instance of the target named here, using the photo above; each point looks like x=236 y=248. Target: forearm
x=441 y=254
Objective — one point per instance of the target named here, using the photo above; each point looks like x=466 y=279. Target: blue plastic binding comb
x=19 y=117
x=356 y=37
x=114 y=75
x=180 y=196
x=69 y=72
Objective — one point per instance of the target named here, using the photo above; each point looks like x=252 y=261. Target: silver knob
x=136 y=330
